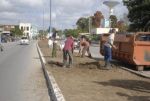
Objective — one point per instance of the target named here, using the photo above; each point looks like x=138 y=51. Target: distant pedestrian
x=54 y=34
x=50 y=42
x=81 y=45
x=108 y=48
x=54 y=50
x=86 y=48
x=68 y=51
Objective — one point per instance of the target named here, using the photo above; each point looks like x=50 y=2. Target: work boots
x=107 y=65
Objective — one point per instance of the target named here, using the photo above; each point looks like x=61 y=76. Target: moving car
x=24 y=40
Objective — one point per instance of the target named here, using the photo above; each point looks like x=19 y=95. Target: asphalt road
x=95 y=51
x=21 y=76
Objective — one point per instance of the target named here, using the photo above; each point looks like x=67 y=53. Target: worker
x=108 y=48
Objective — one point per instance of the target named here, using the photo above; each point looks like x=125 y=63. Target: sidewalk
x=86 y=82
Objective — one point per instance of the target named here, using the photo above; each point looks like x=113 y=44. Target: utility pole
x=43 y=21
x=50 y=16
x=89 y=24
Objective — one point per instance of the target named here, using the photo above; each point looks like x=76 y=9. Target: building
x=101 y=30
x=34 y=31
x=26 y=28
x=5 y=33
x=7 y=27
x=29 y=30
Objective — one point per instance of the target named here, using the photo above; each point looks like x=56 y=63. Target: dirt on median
x=85 y=81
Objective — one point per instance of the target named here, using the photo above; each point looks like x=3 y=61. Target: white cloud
x=64 y=12
x=8 y=15
x=5 y=3
x=5 y=6
x=33 y=3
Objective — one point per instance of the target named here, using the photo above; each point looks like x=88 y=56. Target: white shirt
x=110 y=40
x=50 y=42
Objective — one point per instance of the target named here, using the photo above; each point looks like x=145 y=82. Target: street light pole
x=89 y=25
x=43 y=20
x=50 y=8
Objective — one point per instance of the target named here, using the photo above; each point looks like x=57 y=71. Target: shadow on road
x=55 y=63
x=134 y=98
x=135 y=85
x=89 y=65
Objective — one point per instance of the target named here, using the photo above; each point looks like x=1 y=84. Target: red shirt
x=69 y=44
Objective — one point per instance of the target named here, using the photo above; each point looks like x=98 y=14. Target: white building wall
x=34 y=31
x=101 y=30
x=26 y=27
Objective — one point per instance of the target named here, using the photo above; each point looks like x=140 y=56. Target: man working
x=108 y=48
x=68 y=51
x=86 y=48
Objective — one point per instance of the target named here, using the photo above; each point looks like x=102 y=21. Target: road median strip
x=56 y=94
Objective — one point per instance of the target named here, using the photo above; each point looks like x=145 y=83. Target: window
x=27 y=28
x=21 y=27
x=143 y=37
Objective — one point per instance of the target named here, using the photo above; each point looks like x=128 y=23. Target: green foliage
x=16 y=31
x=42 y=33
x=96 y=19
x=94 y=37
x=139 y=14
x=60 y=32
x=83 y=24
x=122 y=26
x=73 y=32
x=113 y=19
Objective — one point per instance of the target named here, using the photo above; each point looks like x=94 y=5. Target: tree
x=43 y=33
x=113 y=21
x=83 y=24
x=73 y=32
x=96 y=19
x=16 y=31
x=122 y=26
x=139 y=14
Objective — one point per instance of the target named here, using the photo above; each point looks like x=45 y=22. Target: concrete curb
x=56 y=94
x=139 y=73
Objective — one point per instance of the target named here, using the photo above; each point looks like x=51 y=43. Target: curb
x=56 y=94
x=135 y=72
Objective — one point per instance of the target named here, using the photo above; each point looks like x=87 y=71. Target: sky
x=65 y=13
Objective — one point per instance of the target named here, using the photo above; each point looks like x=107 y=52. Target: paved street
x=94 y=48
x=21 y=75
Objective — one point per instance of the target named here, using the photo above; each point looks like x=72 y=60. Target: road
x=95 y=51
x=21 y=75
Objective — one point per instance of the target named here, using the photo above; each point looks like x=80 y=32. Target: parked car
x=24 y=40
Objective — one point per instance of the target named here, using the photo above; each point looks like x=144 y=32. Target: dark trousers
x=86 y=49
x=66 y=54
x=107 y=55
x=54 y=50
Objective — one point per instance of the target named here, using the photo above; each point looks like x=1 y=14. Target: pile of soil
x=86 y=81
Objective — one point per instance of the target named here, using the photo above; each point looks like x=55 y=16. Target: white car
x=24 y=40
x=76 y=44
